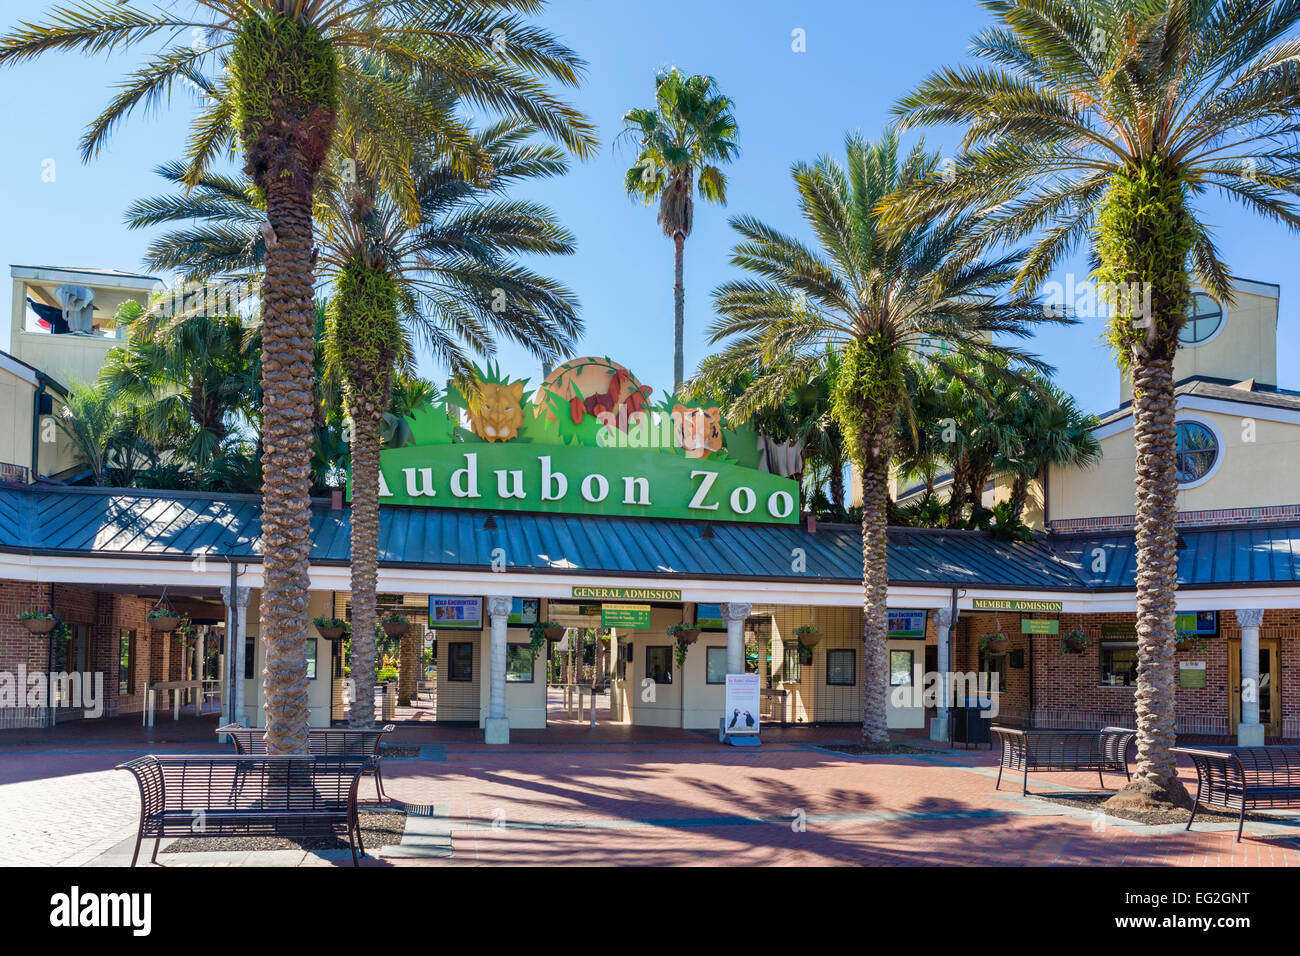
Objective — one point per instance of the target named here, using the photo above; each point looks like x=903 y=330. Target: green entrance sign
x=626 y=594
x=636 y=616
x=1032 y=626
x=1028 y=606
x=589 y=441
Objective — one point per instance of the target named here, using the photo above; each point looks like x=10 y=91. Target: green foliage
x=1007 y=526
x=285 y=82
x=865 y=392
x=690 y=130
x=1144 y=235
x=364 y=333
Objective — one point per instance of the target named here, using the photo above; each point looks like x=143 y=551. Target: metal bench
x=1244 y=778
x=299 y=795
x=325 y=741
x=1062 y=750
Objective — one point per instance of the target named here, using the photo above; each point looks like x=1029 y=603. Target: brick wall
x=103 y=614
x=1067 y=688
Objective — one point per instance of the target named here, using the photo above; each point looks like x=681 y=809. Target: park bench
x=1063 y=749
x=324 y=741
x=282 y=795
x=1244 y=778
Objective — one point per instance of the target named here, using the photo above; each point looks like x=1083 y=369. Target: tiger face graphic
x=698 y=430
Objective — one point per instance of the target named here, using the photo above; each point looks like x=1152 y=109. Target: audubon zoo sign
x=588 y=441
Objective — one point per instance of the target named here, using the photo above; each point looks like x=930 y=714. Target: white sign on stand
x=741 y=715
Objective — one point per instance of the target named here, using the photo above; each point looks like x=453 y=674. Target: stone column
x=1250 y=732
x=943 y=621
x=735 y=615
x=496 y=729
x=232 y=698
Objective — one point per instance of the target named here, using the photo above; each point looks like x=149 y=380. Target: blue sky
x=861 y=55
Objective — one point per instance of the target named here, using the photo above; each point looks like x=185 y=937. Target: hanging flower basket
x=684 y=633
x=1075 y=642
x=330 y=628
x=38 y=622
x=553 y=632
x=164 y=620
x=395 y=625
x=995 y=644
x=808 y=635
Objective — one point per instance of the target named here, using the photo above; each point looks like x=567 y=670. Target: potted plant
x=808 y=634
x=330 y=628
x=1073 y=642
x=38 y=622
x=164 y=619
x=684 y=633
x=994 y=644
x=395 y=625
x=552 y=631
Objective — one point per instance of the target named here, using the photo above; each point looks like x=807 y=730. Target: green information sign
x=998 y=604
x=1031 y=626
x=1192 y=674
x=627 y=594
x=635 y=616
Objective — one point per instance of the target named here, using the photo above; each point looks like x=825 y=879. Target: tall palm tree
x=449 y=278
x=290 y=75
x=873 y=297
x=1105 y=120
x=688 y=134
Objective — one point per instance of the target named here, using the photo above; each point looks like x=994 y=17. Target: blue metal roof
x=132 y=523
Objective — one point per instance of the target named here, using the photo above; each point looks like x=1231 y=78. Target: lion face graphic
x=500 y=412
x=698 y=430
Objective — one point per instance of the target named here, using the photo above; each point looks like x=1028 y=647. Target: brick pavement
x=684 y=802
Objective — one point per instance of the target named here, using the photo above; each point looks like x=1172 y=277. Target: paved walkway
x=685 y=801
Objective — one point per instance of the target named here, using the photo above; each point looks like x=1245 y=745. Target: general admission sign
x=588 y=441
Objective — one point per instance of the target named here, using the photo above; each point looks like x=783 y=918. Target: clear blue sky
x=861 y=56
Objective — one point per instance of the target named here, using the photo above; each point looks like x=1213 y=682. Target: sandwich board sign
x=739 y=726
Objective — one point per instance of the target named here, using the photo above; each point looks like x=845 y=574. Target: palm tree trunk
x=1019 y=496
x=837 y=485
x=679 y=311
x=1155 y=777
x=875 y=585
x=287 y=354
x=957 y=491
x=367 y=419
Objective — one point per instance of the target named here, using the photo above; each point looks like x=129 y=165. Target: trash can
x=970 y=723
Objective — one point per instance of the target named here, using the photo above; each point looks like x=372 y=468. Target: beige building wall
x=17 y=394
x=1244 y=347
x=1248 y=474
x=318 y=689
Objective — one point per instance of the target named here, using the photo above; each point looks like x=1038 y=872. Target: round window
x=1204 y=316
x=1197 y=452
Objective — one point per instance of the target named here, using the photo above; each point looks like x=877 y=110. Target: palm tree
x=1105 y=119
x=292 y=73
x=449 y=277
x=871 y=296
x=1052 y=431
x=688 y=133
x=105 y=432
x=194 y=383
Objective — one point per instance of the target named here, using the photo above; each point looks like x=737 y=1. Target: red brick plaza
x=613 y=797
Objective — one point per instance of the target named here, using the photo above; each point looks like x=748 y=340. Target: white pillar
x=232 y=698
x=943 y=622
x=1250 y=732
x=496 y=729
x=735 y=615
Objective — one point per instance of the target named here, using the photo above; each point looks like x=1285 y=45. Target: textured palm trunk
x=408 y=670
x=875 y=588
x=366 y=425
x=837 y=485
x=1019 y=496
x=1155 y=777
x=288 y=341
x=957 y=492
x=679 y=311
